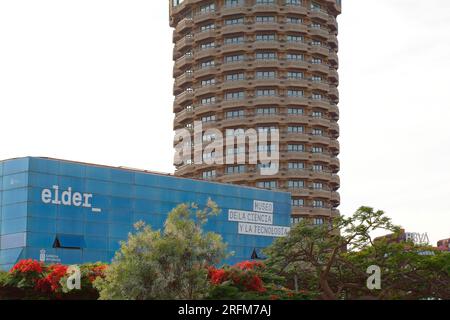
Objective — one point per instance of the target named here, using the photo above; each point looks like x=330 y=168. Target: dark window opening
x=64 y=241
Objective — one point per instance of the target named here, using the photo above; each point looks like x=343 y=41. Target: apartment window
x=293 y=38
x=234 y=132
x=318 y=221
x=295 y=129
x=316 y=79
x=234 y=58
x=317 y=132
x=317 y=114
x=265 y=19
x=234 y=40
x=266 y=56
x=265 y=2
x=266 y=111
x=208 y=100
x=294 y=20
x=233 y=3
x=235 y=114
x=294 y=2
x=316 y=6
x=316 y=149
x=296 y=111
x=317 y=168
x=207 y=27
x=294 y=57
x=209 y=137
x=234 y=95
x=265 y=37
x=296 y=148
x=177 y=2
x=296 y=165
x=207 y=64
x=209 y=156
x=188 y=54
x=317 y=96
x=208 y=45
x=296 y=184
x=296 y=220
x=316 y=25
x=234 y=77
x=267 y=184
x=234 y=21
x=316 y=61
x=265 y=74
x=317 y=186
x=316 y=43
x=294 y=93
x=262 y=166
x=208 y=82
x=210 y=118
x=236 y=151
x=209 y=174
x=294 y=75
x=297 y=202
x=266 y=92
x=266 y=129
x=208 y=8
x=267 y=148
x=235 y=169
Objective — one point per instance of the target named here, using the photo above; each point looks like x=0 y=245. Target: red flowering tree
x=249 y=280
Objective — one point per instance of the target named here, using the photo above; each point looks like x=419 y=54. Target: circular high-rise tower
x=263 y=65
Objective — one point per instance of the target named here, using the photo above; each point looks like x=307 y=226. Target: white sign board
x=258 y=222
x=263 y=206
x=250 y=216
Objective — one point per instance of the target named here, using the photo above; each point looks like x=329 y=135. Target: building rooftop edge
x=137 y=170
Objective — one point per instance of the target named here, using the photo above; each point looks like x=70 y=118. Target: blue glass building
x=69 y=212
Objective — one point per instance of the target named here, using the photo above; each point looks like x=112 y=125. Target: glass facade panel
x=43 y=200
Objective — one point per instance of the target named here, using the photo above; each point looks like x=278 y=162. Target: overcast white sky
x=90 y=80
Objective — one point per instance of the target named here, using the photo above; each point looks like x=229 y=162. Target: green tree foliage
x=333 y=260
x=315 y=255
x=3 y=278
x=166 y=264
x=409 y=271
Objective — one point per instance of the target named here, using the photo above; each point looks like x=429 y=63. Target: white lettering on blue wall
x=263 y=230
x=263 y=206
x=68 y=198
x=250 y=216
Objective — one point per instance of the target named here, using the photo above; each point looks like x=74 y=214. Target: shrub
x=30 y=279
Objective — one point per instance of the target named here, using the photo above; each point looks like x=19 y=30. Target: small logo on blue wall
x=42 y=255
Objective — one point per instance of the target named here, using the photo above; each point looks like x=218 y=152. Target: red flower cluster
x=217 y=276
x=27 y=266
x=249 y=265
x=97 y=271
x=50 y=283
x=254 y=284
x=241 y=274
